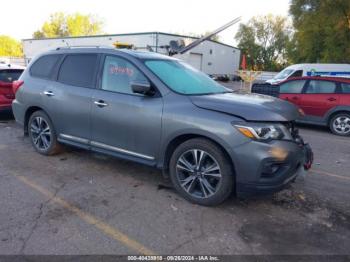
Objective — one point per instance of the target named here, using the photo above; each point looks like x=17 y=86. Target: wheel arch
x=30 y=110
x=181 y=138
x=345 y=110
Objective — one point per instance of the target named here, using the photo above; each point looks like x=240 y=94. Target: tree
x=61 y=25
x=264 y=41
x=10 y=47
x=322 y=31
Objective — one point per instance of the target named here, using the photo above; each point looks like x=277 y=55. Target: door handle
x=49 y=93
x=295 y=98
x=100 y=103
x=331 y=99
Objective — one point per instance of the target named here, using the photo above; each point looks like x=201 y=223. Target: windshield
x=284 y=74
x=183 y=78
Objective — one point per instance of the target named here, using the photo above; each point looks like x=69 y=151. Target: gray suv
x=159 y=111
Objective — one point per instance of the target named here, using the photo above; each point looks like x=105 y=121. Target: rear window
x=43 y=67
x=78 y=70
x=345 y=88
x=292 y=87
x=10 y=75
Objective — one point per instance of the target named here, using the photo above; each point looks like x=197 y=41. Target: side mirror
x=142 y=88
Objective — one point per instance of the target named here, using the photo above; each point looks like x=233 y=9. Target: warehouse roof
x=126 y=34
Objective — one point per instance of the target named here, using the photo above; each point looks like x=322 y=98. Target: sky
x=21 y=18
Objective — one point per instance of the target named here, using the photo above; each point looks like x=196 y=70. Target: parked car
x=323 y=100
x=299 y=70
x=8 y=74
x=159 y=111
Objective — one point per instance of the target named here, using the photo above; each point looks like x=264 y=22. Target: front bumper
x=259 y=171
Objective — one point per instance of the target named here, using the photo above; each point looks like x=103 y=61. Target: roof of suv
x=134 y=53
x=335 y=79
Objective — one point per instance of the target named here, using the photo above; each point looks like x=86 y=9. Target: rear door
x=319 y=96
x=345 y=95
x=68 y=99
x=292 y=91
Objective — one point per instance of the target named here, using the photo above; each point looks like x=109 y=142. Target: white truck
x=299 y=70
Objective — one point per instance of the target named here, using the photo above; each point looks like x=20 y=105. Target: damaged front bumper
x=258 y=171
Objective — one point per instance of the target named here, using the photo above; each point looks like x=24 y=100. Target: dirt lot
x=85 y=203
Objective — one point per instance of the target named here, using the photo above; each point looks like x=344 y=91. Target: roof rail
x=84 y=46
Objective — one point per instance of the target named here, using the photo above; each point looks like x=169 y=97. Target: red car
x=8 y=74
x=324 y=101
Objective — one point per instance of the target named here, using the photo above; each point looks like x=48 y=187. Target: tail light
x=16 y=85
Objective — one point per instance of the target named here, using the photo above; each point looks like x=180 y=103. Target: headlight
x=263 y=131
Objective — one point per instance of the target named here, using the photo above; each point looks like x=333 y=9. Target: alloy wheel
x=41 y=133
x=342 y=125
x=199 y=173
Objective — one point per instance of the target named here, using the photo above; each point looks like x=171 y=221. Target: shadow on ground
x=6 y=116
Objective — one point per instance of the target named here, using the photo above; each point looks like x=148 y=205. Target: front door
x=319 y=97
x=291 y=91
x=125 y=123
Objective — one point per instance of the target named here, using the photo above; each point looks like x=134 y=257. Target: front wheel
x=201 y=172
x=340 y=124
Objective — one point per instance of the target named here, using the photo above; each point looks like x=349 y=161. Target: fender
x=194 y=132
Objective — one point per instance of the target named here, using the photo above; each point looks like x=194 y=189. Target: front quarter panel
x=182 y=117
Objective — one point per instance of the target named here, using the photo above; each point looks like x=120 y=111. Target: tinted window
x=78 y=70
x=292 y=87
x=9 y=76
x=321 y=87
x=183 y=78
x=345 y=88
x=118 y=74
x=297 y=73
x=44 y=66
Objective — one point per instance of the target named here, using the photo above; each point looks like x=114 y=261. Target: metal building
x=211 y=57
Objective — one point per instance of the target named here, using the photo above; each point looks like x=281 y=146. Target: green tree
x=264 y=41
x=322 y=31
x=61 y=25
x=10 y=47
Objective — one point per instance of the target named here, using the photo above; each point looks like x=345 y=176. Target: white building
x=211 y=57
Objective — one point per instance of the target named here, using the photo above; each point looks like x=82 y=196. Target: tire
x=340 y=124
x=211 y=181
x=44 y=142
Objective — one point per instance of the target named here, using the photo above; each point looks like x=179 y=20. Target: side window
x=118 y=74
x=297 y=73
x=292 y=87
x=78 y=70
x=43 y=67
x=345 y=88
x=321 y=87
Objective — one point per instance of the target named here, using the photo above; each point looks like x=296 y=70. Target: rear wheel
x=340 y=124
x=42 y=134
x=201 y=172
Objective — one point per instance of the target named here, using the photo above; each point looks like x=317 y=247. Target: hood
x=274 y=81
x=251 y=107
